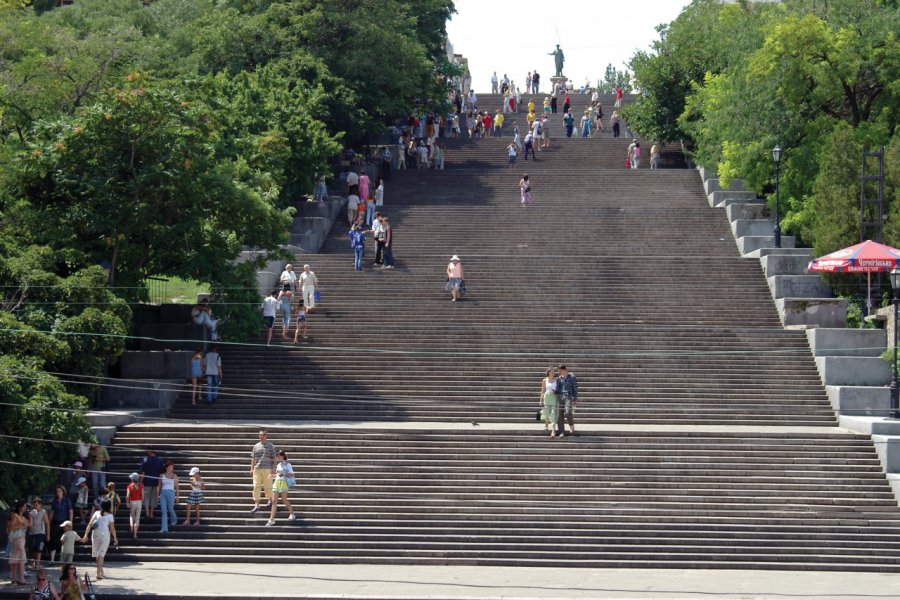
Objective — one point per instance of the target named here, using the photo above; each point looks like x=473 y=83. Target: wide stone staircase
x=705 y=438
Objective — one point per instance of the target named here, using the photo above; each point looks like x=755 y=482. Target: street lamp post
x=776 y=155
x=895 y=386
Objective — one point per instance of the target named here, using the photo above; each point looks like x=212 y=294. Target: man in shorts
x=262 y=460
x=269 y=311
x=39 y=532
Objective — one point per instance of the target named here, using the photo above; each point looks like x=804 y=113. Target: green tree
x=612 y=77
x=140 y=180
x=786 y=74
x=274 y=122
x=48 y=67
x=708 y=37
x=46 y=370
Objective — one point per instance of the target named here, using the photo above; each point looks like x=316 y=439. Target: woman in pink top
x=364 y=186
x=454 y=278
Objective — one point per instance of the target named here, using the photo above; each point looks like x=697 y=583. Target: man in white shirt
x=494 y=83
x=437 y=156
x=386 y=158
x=309 y=283
x=213 y=362
x=378 y=234
x=288 y=277
x=270 y=310
x=353 y=182
x=352 y=207
x=401 y=154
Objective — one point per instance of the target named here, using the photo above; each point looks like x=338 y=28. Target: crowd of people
x=294 y=300
x=84 y=497
x=42 y=535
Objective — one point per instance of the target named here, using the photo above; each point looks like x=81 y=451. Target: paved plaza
x=189 y=579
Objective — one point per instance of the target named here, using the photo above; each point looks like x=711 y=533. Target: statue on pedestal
x=560 y=59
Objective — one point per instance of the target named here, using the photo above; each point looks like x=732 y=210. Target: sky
x=516 y=36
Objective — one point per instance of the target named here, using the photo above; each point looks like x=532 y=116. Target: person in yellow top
x=531 y=106
x=498 y=123
x=531 y=117
x=547 y=108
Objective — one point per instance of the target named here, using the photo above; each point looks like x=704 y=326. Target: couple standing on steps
x=263 y=458
x=559 y=394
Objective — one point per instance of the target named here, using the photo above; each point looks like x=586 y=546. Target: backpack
x=540 y=129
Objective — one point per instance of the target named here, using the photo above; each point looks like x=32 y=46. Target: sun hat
x=78 y=464
x=66 y=524
x=454 y=257
x=134 y=477
x=194 y=471
x=80 y=480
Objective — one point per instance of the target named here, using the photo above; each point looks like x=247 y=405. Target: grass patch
x=176 y=290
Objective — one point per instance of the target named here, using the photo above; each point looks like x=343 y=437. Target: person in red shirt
x=486 y=120
x=567 y=103
x=134 y=498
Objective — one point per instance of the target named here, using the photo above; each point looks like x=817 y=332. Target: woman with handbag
x=283 y=481
x=16 y=530
x=42 y=589
x=549 y=402
x=103 y=525
x=525 y=190
x=455 y=278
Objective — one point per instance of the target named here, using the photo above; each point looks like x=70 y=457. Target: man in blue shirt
x=358 y=243
x=567 y=386
x=569 y=121
x=151 y=468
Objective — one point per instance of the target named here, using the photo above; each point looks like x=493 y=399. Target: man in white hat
x=455 y=278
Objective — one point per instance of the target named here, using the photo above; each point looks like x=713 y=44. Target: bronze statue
x=560 y=59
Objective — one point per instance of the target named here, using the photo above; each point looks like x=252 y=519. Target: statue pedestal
x=560 y=80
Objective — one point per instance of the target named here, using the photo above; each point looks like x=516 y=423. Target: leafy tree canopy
x=160 y=137
x=613 y=78
x=817 y=78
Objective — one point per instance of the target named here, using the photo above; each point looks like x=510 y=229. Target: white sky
x=516 y=36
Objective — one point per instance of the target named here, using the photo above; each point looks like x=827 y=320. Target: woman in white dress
x=102 y=524
x=549 y=402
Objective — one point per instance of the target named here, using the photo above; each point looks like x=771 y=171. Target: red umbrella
x=867 y=257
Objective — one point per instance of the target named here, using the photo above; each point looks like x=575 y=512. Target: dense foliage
x=818 y=78
x=160 y=137
x=613 y=78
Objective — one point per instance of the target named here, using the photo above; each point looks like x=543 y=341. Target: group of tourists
x=301 y=290
x=383 y=234
x=93 y=503
x=420 y=153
